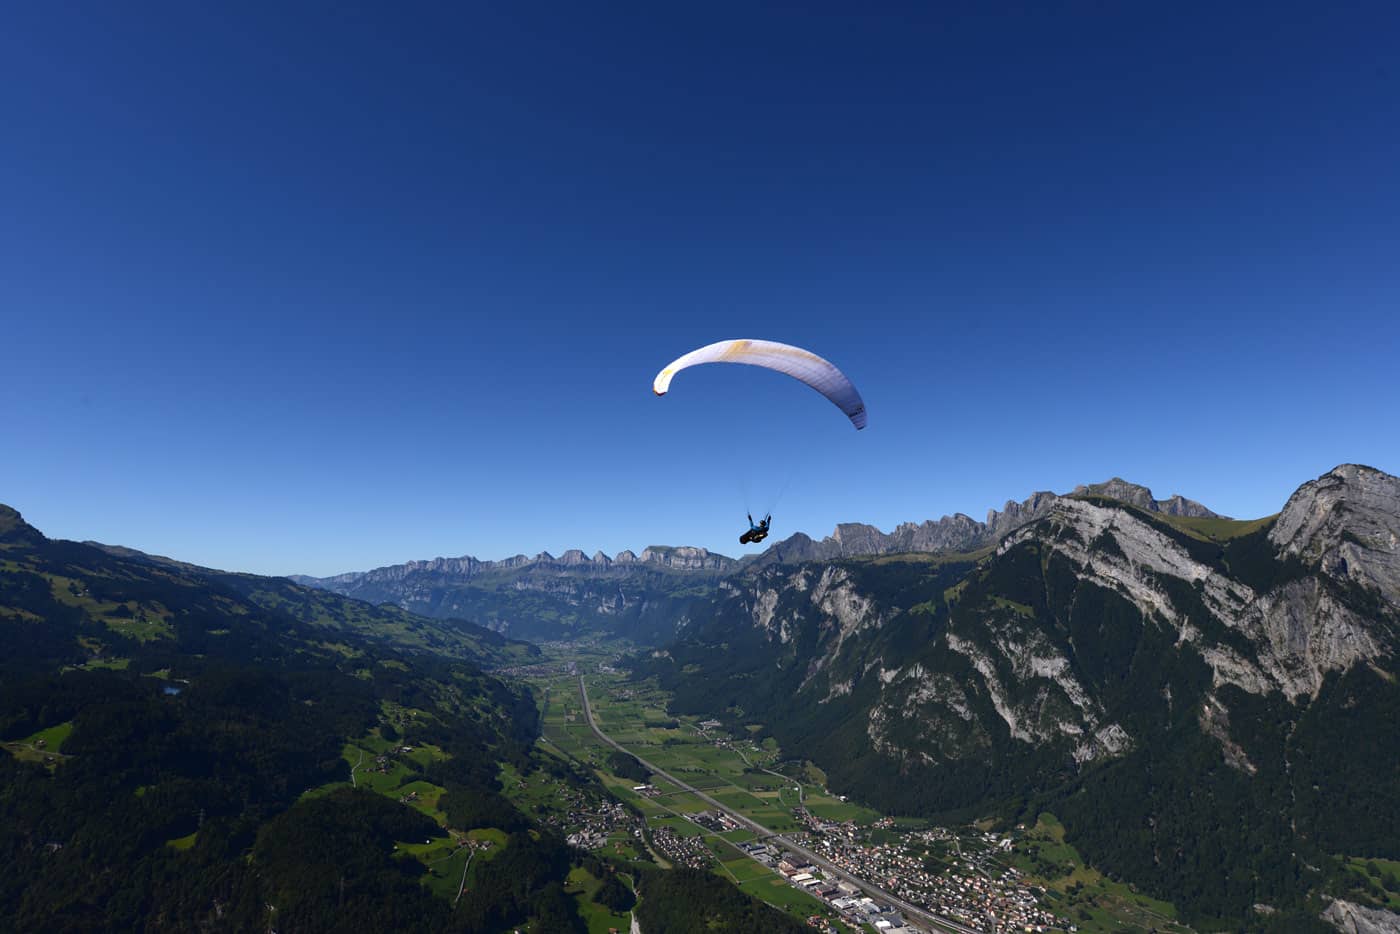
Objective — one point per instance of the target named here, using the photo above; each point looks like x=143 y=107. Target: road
x=914 y=913
x=463 y=887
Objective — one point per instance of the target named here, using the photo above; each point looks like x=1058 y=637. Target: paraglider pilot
x=756 y=533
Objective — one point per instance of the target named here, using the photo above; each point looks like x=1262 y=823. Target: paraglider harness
x=756 y=533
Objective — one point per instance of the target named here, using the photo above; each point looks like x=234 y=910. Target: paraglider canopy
x=800 y=364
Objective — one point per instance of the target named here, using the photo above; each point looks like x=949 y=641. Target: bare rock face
x=1141 y=497
x=1348 y=523
x=1351 y=918
x=1014 y=515
x=1300 y=629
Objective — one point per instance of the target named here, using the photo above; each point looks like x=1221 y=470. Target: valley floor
x=724 y=787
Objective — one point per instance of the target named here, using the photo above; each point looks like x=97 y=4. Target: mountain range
x=645 y=596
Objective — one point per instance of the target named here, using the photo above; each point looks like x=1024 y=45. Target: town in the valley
x=964 y=876
x=978 y=891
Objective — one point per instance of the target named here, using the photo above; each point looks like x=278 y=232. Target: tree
x=615 y=895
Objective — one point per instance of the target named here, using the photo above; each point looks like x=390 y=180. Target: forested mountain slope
x=163 y=723
x=318 y=608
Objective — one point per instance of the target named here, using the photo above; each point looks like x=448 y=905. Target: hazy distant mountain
x=541 y=598
x=1210 y=705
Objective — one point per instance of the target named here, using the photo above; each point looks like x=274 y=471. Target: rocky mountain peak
x=1015 y=514
x=1136 y=494
x=1347 y=522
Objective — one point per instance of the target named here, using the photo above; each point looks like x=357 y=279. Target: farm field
x=729 y=771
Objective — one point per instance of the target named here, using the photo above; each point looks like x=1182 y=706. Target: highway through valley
x=925 y=919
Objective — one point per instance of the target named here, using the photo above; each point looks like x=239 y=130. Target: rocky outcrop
x=1351 y=918
x=1347 y=523
x=1141 y=497
x=685 y=558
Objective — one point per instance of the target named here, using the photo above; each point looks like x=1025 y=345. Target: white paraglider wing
x=800 y=364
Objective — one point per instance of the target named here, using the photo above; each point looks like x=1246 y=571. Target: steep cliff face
x=1346 y=524
x=1299 y=625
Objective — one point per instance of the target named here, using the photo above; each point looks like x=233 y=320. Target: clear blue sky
x=312 y=288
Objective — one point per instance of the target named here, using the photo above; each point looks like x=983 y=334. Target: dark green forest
x=692 y=901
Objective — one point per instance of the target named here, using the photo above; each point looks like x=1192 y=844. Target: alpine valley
x=1209 y=705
